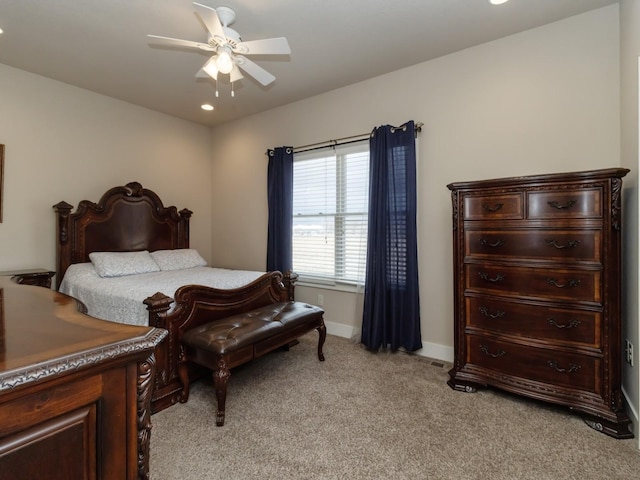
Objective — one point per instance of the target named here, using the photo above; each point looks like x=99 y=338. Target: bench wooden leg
x=322 y=335
x=220 y=379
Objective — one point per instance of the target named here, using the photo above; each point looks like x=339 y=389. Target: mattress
x=120 y=299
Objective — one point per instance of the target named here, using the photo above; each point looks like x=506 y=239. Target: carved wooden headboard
x=127 y=218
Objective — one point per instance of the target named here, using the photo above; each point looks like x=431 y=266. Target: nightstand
x=35 y=276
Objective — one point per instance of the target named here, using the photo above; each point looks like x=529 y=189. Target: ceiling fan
x=228 y=48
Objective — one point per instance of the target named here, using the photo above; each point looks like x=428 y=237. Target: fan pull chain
x=233 y=93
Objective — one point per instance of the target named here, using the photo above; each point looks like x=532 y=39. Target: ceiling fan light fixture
x=224 y=62
x=211 y=69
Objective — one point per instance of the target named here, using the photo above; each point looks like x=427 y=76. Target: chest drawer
x=539 y=364
x=585 y=203
x=555 y=245
x=558 y=325
x=494 y=207
x=543 y=283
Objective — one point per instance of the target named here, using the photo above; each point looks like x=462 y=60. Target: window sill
x=341 y=287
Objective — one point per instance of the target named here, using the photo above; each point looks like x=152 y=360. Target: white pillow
x=178 y=259
x=118 y=264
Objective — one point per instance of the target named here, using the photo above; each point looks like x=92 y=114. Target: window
x=330 y=203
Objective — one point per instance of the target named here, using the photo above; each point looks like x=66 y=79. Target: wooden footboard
x=196 y=305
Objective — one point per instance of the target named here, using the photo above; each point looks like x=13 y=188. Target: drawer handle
x=497 y=207
x=485 y=243
x=569 y=244
x=485 y=312
x=485 y=276
x=571 y=324
x=572 y=367
x=570 y=283
x=485 y=350
x=569 y=204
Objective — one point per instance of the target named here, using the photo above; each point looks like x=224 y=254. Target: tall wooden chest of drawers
x=537 y=291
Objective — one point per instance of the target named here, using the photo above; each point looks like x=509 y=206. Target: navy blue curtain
x=280 y=198
x=391 y=316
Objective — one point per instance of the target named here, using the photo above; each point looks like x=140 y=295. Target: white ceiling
x=101 y=45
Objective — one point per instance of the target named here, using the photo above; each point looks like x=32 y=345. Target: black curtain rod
x=342 y=141
x=331 y=143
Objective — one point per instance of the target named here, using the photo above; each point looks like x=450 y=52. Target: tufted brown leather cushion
x=232 y=333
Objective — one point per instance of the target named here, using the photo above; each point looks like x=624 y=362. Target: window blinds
x=330 y=203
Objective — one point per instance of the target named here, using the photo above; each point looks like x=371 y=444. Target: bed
x=131 y=221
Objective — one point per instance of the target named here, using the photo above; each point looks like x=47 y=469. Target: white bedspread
x=120 y=299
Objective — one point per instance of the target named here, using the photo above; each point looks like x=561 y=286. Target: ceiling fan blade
x=255 y=70
x=235 y=74
x=183 y=43
x=210 y=19
x=267 y=46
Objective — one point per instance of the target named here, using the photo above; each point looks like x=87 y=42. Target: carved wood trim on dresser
x=537 y=291
x=75 y=391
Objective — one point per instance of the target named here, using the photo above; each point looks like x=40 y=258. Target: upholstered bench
x=228 y=342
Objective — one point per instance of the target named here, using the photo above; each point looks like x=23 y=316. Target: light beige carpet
x=361 y=415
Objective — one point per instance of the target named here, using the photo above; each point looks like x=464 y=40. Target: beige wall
x=630 y=51
x=546 y=100
x=65 y=143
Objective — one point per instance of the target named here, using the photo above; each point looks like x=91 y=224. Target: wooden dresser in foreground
x=74 y=390
x=538 y=291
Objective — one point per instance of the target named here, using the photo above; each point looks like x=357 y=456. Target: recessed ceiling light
x=498 y=2
x=1 y=31
x=207 y=107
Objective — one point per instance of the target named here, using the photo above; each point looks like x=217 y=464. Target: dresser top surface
x=584 y=176
x=42 y=334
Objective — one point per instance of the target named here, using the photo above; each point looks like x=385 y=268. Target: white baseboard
x=430 y=350
x=436 y=351
x=339 y=330
x=633 y=416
